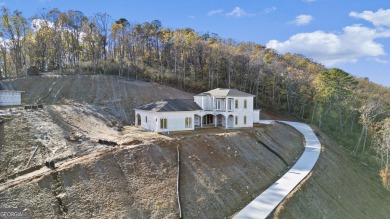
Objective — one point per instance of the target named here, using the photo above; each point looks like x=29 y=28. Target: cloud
x=354 y=42
x=3 y=3
x=4 y=42
x=380 y=18
x=37 y=24
x=269 y=10
x=382 y=61
x=309 y=1
x=239 y=12
x=213 y=12
x=303 y=19
x=191 y=16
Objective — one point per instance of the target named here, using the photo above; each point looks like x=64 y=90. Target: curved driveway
x=267 y=201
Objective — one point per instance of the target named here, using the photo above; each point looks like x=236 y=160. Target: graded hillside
x=221 y=170
x=114 y=95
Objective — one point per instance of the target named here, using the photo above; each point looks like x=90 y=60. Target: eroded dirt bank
x=107 y=93
x=221 y=171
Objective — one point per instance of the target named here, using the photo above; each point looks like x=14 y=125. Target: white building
x=228 y=108
x=10 y=98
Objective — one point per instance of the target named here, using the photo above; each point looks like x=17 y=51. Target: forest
x=353 y=111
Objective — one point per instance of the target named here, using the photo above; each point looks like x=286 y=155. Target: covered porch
x=214 y=120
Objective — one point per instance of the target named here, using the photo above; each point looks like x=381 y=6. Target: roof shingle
x=170 y=105
x=226 y=92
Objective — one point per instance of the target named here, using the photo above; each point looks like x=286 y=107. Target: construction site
x=79 y=155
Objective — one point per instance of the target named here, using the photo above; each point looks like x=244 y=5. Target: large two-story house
x=228 y=108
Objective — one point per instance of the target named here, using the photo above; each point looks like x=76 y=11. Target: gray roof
x=171 y=105
x=225 y=92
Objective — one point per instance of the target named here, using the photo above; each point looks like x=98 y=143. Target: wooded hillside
x=352 y=110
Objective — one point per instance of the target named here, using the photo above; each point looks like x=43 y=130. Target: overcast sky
x=353 y=35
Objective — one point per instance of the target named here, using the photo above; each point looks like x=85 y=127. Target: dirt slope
x=112 y=94
x=221 y=171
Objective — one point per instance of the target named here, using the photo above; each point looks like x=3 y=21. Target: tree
x=43 y=33
x=368 y=112
x=334 y=89
x=56 y=19
x=103 y=23
x=74 y=20
x=382 y=138
x=14 y=29
x=119 y=32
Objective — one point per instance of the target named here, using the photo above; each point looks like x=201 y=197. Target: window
x=244 y=120
x=236 y=104
x=188 y=122
x=217 y=104
x=146 y=119
x=244 y=104
x=163 y=123
x=236 y=120
x=230 y=104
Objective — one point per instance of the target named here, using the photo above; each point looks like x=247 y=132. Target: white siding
x=241 y=112
x=175 y=120
x=206 y=102
x=10 y=98
x=198 y=100
x=256 y=116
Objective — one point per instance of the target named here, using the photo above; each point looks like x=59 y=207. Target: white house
x=10 y=98
x=228 y=108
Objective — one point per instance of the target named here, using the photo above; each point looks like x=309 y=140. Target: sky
x=353 y=35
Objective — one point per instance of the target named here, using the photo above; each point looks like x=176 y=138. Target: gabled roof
x=171 y=105
x=225 y=92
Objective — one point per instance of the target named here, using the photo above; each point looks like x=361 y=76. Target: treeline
x=352 y=110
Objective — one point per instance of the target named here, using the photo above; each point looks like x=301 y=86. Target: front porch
x=214 y=120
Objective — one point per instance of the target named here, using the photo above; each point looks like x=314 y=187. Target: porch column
x=136 y=119
x=226 y=104
x=215 y=121
x=226 y=122
x=201 y=121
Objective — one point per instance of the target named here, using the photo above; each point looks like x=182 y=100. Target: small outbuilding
x=10 y=98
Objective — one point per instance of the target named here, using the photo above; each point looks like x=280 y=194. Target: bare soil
x=109 y=94
x=222 y=170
